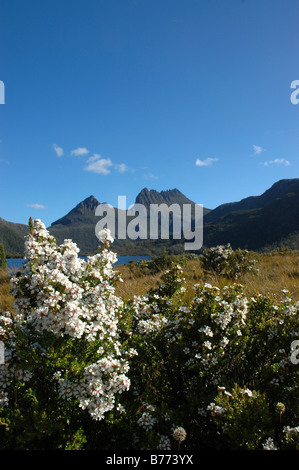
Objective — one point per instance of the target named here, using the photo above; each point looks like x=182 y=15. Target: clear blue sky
x=106 y=97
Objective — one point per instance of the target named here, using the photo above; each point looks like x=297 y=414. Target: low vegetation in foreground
x=181 y=352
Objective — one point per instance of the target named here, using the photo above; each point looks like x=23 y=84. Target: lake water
x=15 y=263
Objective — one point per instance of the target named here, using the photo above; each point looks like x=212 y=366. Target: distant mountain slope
x=277 y=190
x=12 y=236
x=79 y=226
x=257 y=222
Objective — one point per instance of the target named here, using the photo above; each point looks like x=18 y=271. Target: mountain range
x=256 y=223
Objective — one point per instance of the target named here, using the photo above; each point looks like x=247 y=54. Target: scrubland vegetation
x=188 y=352
x=271 y=274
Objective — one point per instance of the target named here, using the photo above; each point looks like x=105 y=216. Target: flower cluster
x=179 y=434
x=146 y=420
x=60 y=297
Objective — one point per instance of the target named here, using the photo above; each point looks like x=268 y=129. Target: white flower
x=206 y=330
x=179 y=434
x=146 y=421
x=224 y=342
x=3 y=399
x=105 y=236
x=202 y=412
x=164 y=443
x=269 y=444
x=120 y=408
x=246 y=391
x=218 y=410
x=289 y=431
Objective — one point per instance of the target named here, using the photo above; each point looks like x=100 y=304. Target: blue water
x=13 y=263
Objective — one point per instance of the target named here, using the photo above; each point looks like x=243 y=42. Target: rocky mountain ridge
x=256 y=223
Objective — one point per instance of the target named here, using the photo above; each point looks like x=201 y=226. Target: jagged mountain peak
x=169 y=196
x=90 y=203
x=84 y=210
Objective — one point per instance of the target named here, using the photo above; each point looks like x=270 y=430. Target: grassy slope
x=277 y=271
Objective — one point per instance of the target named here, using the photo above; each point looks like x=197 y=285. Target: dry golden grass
x=135 y=284
x=6 y=299
x=276 y=272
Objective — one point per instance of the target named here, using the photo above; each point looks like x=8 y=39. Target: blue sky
x=105 y=98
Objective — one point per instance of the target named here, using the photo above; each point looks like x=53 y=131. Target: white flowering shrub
x=216 y=367
x=223 y=260
x=63 y=348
